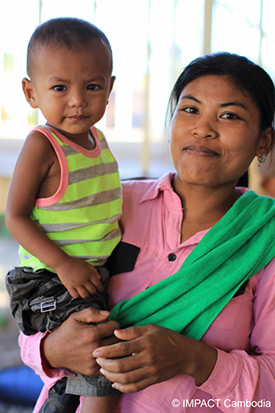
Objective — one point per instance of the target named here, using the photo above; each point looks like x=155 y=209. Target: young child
x=65 y=197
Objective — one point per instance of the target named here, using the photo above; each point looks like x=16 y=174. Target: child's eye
x=60 y=88
x=92 y=87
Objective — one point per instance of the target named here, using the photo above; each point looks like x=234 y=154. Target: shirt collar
x=161 y=184
x=165 y=183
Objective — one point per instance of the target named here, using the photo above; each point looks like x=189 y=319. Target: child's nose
x=77 y=99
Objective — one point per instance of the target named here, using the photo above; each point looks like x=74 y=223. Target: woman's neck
x=203 y=207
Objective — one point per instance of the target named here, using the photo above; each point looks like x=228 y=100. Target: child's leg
x=105 y=404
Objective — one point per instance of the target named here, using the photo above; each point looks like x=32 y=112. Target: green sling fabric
x=234 y=250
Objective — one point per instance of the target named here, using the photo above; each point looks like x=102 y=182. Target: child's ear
x=29 y=92
x=113 y=78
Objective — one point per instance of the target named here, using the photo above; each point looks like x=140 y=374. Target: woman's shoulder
x=142 y=188
x=138 y=185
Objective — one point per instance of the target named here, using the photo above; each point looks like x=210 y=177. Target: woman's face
x=215 y=132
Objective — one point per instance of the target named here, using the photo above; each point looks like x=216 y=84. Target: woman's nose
x=205 y=129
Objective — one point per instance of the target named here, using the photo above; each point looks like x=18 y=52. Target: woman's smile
x=199 y=150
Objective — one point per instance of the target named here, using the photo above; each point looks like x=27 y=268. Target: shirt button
x=172 y=257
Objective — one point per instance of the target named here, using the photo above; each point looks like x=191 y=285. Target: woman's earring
x=261 y=159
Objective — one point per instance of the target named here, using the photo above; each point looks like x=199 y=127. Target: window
x=152 y=40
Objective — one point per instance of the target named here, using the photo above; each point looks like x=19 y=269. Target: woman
x=222 y=110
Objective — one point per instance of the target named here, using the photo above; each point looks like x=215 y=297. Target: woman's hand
x=71 y=345
x=151 y=354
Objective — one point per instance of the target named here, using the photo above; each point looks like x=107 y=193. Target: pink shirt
x=244 y=332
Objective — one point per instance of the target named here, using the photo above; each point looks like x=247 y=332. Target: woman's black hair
x=248 y=76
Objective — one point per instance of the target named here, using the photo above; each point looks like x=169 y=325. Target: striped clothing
x=82 y=216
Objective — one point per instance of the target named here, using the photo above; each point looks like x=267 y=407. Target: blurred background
x=152 y=41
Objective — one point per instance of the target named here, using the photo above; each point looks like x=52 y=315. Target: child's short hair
x=72 y=33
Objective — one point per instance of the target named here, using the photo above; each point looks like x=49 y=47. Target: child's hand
x=80 y=278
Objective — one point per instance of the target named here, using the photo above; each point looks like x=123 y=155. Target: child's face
x=71 y=88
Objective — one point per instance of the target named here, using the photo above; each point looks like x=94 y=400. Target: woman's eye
x=92 y=87
x=190 y=109
x=59 y=88
x=230 y=115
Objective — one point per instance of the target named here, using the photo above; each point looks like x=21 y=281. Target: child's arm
x=37 y=174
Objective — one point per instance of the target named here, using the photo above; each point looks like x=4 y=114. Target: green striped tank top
x=82 y=216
